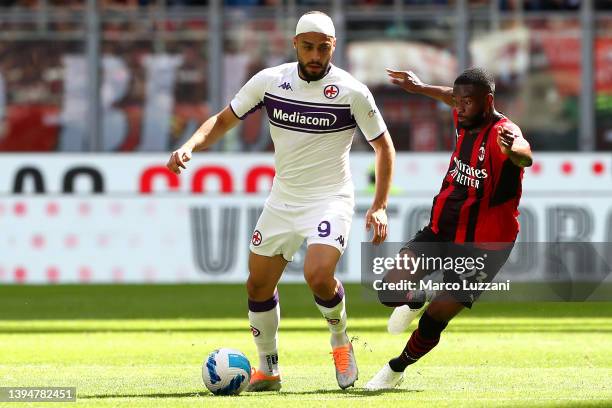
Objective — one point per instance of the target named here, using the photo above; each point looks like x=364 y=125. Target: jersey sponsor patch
x=466 y=175
x=308 y=117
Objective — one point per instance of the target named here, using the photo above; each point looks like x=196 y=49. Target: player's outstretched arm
x=408 y=81
x=208 y=134
x=515 y=146
x=376 y=217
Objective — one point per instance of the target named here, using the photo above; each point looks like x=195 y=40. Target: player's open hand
x=505 y=139
x=178 y=159
x=377 y=220
x=405 y=79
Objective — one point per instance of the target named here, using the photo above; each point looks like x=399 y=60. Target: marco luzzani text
x=410 y=264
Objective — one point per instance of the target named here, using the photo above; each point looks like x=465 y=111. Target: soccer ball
x=226 y=372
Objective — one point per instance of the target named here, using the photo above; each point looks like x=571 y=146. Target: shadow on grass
x=357 y=392
x=155 y=395
x=360 y=392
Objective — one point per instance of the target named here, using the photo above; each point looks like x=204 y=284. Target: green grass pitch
x=143 y=346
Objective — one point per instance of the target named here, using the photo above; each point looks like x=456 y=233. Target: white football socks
x=264 y=325
x=334 y=311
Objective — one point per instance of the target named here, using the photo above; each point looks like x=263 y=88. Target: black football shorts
x=464 y=277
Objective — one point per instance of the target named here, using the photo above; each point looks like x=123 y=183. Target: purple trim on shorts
x=334 y=301
x=265 y=305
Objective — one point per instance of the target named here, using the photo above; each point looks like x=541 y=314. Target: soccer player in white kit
x=313 y=108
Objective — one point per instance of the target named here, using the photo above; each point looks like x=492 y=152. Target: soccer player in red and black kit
x=474 y=214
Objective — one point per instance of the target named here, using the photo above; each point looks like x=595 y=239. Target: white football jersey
x=312 y=126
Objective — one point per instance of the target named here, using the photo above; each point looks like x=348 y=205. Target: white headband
x=315 y=23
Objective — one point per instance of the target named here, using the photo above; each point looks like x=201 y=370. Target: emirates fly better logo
x=467 y=175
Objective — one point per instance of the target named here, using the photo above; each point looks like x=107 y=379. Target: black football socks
x=422 y=340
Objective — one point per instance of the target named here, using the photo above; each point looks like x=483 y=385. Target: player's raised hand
x=405 y=79
x=505 y=139
x=177 y=160
x=377 y=220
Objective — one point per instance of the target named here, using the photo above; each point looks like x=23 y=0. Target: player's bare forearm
x=208 y=134
x=376 y=216
x=212 y=130
x=443 y=94
x=385 y=158
x=520 y=153
x=408 y=81
x=515 y=146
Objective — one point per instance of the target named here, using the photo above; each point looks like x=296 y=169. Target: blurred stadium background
x=95 y=94
x=139 y=75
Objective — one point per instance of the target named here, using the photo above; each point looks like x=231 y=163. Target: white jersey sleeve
x=250 y=97
x=367 y=116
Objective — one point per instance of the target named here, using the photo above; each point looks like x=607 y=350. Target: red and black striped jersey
x=480 y=194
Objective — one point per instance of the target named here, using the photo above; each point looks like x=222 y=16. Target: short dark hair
x=477 y=76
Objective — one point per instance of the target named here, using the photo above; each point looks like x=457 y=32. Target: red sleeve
x=455 y=122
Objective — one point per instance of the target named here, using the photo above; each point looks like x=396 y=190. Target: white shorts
x=282 y=228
